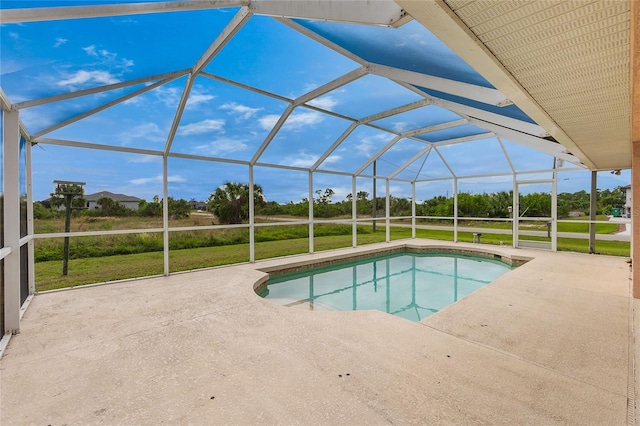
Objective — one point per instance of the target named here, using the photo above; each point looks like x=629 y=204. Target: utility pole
x=69 y=190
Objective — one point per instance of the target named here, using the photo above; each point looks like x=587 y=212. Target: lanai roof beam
x=77 y=12
x=437 y=16
x=223 y=38
x=103 y=107
x=435 y=128
x=100 y=89
x=380 y=12
x=457 y=88
x=333 y=147
x=378 y=154
x=410 y=161
x=551 y=148
x=276 y=128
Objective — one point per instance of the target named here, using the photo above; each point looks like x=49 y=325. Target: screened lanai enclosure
x=172 y=100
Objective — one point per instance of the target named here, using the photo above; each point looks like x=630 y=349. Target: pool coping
x=333 y=258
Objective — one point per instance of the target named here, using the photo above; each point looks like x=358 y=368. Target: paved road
x=608 y=237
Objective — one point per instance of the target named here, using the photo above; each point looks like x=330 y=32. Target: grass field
x=290 y=240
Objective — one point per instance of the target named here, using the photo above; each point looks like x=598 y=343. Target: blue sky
x=49 y=58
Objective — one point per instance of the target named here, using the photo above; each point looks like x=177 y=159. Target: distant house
x=627 y=203
x=128 y=201
x=198 y=205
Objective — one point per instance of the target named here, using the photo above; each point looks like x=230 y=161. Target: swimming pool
x=409 y=285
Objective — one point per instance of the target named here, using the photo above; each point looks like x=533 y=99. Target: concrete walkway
x=548 y=343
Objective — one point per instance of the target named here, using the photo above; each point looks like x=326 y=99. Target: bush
x=41 y=212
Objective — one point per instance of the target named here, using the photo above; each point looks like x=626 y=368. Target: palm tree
x=230 y=202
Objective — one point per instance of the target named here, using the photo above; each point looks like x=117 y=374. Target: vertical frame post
x=515 y=212
x=554 y=210
x=11 y=169
x=413 y=209
x=388 y=213
x=252 y=229
x=455 y=209
x=592 y=211
x=30 y=227
x=165 y=212
x=311 y=212
x=354 y=213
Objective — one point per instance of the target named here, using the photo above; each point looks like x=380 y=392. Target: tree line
x=229 y=203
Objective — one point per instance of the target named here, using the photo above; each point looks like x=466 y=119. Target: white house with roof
x=128 y=201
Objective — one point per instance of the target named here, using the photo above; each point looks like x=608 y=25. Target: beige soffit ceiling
x=564 y=63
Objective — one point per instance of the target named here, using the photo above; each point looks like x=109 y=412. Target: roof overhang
x=566 y=65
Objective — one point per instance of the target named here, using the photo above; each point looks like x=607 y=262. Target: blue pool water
x=408 y=285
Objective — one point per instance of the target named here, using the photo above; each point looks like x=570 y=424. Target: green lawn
x=109 y=268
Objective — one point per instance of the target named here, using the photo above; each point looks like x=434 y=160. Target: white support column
x=515 y=211
x=593 y=205
x=165 y=212
x=354 y=213
x=554 y=209
x=387 y=213
x=413 y=209
x=11 y=190
x=30 y=227
x=311 y=212
x=455 y=209
x=252 y=228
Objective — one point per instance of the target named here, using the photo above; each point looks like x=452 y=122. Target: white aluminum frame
x=11 y=192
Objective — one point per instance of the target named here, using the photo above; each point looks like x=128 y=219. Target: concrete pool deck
x=550 y=342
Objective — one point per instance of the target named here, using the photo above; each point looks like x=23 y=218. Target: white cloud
x=11 y=65
x=196 y=98
x=242 y=111
x=325 y=102
x=60 y=41
x=401 y=126
x=418 y=38
x=107 y=58
x=91 y=50
x=157 y=179
x=400 y=191
x=36 y=117
x=295 y=121
x=147 y=131
x=82 y=77
x=127 y=20
x=268 y=121
x=146 y=159
x=340 y=193
x=368 y=145
x=170 y=96
x=204 y=126
x=305 y=160
x=309 y=87
x=298 y=120
x=106 y=54
x=365 y=147
x=222 y=145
